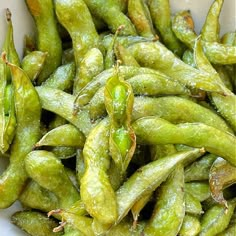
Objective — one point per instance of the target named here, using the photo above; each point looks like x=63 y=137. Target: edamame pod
x=157 y=56
x=154 y=130
x=221 y=176
x=106 y=10
x=28 y=113
x=95 y=186
x=216 y=219
x=43 y=165
x=64 y=135
x=161 y=16
x=34 y=223
x=192 y=205
x=190 y=227
x=148 y=178
x=45 y=20
x=33 y=64
x=169 y=211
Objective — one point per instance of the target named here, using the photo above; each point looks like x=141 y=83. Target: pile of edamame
x=119 y=120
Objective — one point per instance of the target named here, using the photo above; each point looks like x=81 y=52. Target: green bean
x=199 y=170
x=51 y=99
x=95 y=186
x=154 y=130
x=190 y=227
x=36 y=197
x=177 y=110
x=147 y=179
x=168 y=214
x=42 y=166
x=28 y=112
x=216 y=219
x=65 y=135
x=211 y=28
x=62 y=78
x=45 y=20
x=139 y=14
x=107 y=10
x=192 y=205
x=199 y=190
x=33 y=64
x=157 y=56
x=221 y=175
x=161 y=16
x=34 y=223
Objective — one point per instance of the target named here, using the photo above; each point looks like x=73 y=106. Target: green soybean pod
x=198 y=189
x=34 y=223
x=154 y=130
x=43 y=165
x=161 y=16
x=139 y=14
x=177 y=110
x=28 y=113
x=106 y=10
x=155 y=55
x=216 y=219
x=168 y=215
x=64 y=135
x=148 y=178
x=36 y=197
x=45 y=20
x=95 y=186
x=192 y=205
x=62 y=78
x=230 y=231
x=33 y=63
x=190 y=227
x=211 y=27
x=199 y=170
x=224 y=104
x=51 y=100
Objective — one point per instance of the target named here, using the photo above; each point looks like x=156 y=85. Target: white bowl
x=23 y=24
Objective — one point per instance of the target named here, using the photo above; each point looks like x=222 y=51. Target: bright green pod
x=33 y=63
x=91 y=65
x=106 y=10
x=216 y=219
x=225 y=104
x=147 y=179
x=155 y=55
x=154 y=130
x=36 y=197
x=45 y=19
x=139 y=14
x=168 y=215
x=64 y=135
x=211 y=27
x=43 y=165
x=190 y=227
x=199 y=170
x=161 y=16
x=198 y=189
x=230 y=231
x=62 y=78
x=192 y=205
x=35 y=223
x=28 y=113
x=95 y=186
